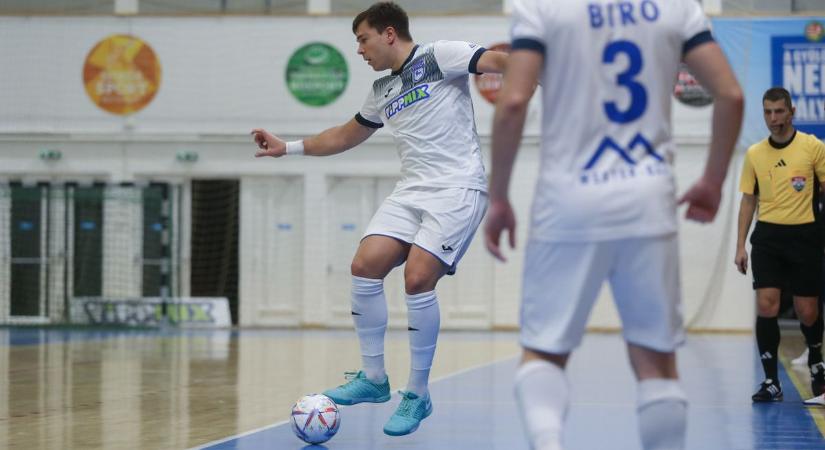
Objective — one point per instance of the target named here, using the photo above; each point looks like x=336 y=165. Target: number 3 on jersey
x=638 y=94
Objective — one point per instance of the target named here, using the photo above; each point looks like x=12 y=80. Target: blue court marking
x=475 y=409
x=786 y=424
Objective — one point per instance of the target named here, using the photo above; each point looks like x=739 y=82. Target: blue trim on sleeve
x=367 y=123
x=701 y=38
x=474 y=60
x=528 y=44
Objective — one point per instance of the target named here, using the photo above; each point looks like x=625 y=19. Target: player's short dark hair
x=382 y=15
x=777 y=93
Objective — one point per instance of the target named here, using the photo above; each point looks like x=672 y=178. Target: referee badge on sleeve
x=798 y=183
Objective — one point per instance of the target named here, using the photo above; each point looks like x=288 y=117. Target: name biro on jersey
x=622 y=13
x=406 y=99
x=654 y=165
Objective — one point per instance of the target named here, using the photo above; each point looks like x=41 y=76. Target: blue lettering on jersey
x=406 y=99
x=621 y=13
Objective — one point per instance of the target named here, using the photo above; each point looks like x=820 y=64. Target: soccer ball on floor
x=315 y=418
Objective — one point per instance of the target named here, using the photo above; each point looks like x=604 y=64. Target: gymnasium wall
x=301 y=218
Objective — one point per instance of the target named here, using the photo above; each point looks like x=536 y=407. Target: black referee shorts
x=787 y=257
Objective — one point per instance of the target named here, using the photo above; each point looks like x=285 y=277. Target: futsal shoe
x=768 y=392
x=412 y=410
x=360 y=389
x=819 y=400
x=801 y=360
x=818 y=379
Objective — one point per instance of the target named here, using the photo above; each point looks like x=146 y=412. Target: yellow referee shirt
x=785 y=178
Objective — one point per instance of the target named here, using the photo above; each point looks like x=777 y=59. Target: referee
x=782 y=174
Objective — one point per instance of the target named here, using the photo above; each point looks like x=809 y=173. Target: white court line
x=278 y=424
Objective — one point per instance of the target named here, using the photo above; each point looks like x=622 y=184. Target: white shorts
x=441 y=221
x=562 y=280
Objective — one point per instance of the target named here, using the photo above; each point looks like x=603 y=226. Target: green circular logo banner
x=316 y=74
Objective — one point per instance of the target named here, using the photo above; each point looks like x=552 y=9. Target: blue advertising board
x=786 y=52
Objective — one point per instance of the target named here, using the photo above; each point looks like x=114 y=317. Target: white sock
x=369 y=312
x=662 y=409
x=424 y=320
x=542 y=395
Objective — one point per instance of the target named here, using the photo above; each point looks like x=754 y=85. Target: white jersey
x=607 y=150
x=427 y=105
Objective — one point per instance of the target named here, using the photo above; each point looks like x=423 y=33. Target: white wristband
x=295 y=147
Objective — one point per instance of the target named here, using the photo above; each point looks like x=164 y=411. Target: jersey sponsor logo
x=798 y=183
x=406 y=99
x=781 y=163
x=446 y=248
x=632 y=167
x=418 y=70
x=624 y=153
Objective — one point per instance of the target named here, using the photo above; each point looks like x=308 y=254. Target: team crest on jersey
x=798 y=183
x=418 y=70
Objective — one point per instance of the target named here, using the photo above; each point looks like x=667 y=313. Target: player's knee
x=418 y=282
x=767 y=306
x=361 y=268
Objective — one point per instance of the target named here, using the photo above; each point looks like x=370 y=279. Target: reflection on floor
x=179 y=389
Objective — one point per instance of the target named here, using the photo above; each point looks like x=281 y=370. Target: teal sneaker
x=359 y=389
x=412 y=410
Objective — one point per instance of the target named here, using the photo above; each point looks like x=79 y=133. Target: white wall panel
x=271 y=242
x=351 y=203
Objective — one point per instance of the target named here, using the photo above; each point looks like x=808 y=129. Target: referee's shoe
x=768 y=392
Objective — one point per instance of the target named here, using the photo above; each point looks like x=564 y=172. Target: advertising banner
x=785 y=52
x=121 y=74
x=149 y=311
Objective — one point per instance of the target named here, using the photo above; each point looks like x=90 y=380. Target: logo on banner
x=798 y=183
x=121 y=74
x=797 y=63
x=814 y=31
x=316 y=74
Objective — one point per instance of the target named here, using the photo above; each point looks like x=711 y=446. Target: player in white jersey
x=431 y=216
x=605 y=205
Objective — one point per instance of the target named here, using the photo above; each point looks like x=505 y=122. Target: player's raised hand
x=703 y=201
x=268 y=144
x=499 y=218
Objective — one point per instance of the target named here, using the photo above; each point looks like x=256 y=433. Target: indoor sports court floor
x=88 y=389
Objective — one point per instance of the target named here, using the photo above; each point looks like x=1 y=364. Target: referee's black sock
x=767 y=339
x=813 y=339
